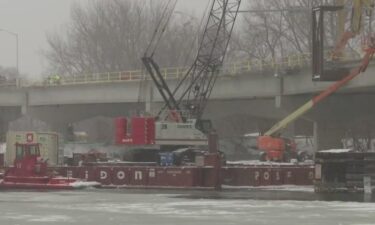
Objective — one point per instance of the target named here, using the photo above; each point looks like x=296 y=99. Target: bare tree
x=112 y=35
x=275 y=34
x=8 y=73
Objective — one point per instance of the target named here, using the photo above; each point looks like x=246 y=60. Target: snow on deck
x=267 y=163
x=306 y=188
x=336 y=150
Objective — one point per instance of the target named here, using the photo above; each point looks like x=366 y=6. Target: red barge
x=204 y=170
x=191 y=177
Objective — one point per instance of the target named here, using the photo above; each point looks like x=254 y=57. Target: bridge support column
x=315 y=136
x=279 y=97
x=24 y=109
x=25 y=104
x=149 y=98
x=327 y=136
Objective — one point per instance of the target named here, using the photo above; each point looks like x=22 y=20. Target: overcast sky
x=31 y=19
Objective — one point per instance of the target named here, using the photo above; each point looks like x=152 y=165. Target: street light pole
x=17 y=49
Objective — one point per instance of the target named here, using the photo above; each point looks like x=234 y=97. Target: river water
x=253 y=206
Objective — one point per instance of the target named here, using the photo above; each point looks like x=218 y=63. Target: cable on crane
x=201 y=25
x=160 y=28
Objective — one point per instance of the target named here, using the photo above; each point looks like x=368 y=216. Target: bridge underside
x=340 y=115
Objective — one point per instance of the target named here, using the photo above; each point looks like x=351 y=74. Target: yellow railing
x=232 y=69
x=124 y=76
x=301 y=60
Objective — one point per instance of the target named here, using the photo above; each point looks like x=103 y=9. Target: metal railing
x=237 y=68
x=232 y=69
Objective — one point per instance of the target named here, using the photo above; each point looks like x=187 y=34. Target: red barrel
x=121 y=132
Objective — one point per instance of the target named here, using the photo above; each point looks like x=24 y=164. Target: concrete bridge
x=246 y=98
x=241 y=84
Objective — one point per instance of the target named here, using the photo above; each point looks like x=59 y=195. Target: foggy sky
x=31 y=19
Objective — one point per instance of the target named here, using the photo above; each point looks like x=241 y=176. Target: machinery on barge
x=179 y=128
x=182 y=146
x=179 y=123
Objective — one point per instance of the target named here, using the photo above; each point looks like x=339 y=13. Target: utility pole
x=17 y=48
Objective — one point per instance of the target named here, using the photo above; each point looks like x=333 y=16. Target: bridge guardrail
x=232 y=69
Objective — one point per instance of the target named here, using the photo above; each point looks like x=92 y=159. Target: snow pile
x=307 y=188
x=252 y=135
x=336 y=150
x=266 y=163
x=84 y=184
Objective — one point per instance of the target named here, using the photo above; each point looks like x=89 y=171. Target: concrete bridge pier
x=8 y=114
x=25 y=104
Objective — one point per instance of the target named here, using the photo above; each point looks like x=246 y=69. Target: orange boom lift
x=277 y=148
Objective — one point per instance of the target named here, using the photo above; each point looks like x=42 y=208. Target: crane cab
x=148 y=131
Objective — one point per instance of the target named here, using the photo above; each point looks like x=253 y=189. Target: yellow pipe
x=289 y=119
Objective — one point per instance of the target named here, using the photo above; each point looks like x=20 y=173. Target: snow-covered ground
x=267 y=163
x=290 y=188
x=336 y=150
x=121 y=207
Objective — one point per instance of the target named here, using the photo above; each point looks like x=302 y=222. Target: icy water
x=121 y=207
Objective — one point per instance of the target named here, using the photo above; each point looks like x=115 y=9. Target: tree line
x=104 y=36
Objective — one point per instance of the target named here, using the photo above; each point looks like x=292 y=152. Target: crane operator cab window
x=24 y=150
x=33 y=150
x=19 y=152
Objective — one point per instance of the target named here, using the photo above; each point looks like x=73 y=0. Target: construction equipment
x=327 y=63
x=179 y=123
x=277 y=148
x=92 y=156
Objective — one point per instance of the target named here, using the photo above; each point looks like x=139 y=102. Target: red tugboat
x=30 y=172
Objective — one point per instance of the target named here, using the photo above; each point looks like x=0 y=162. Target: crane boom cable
x=223 y=58
x=211 y=54
x=194 y=40
x=159 y=25
x=186 y=76
x=166 y=23
x=193 y=67
x=200 y=57
x=206 y=66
